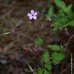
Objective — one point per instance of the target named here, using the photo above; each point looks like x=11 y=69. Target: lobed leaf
x=39 y=42
x=55 y=47
x=45 y=57
x=57 y=57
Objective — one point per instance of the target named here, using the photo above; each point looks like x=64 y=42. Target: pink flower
x=32 y=15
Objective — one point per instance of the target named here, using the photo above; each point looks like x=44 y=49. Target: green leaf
x=46 y=72
x=39 y=42
x=57 y=57
x=50 y=12
x=68 y=9
x=40 y=71
x=71 y=23
x=60 y=4
x=48 y=66
x=46 y=63
x=59 y=21
x=43 y=71
x=45 y=57
x=55 y=47
x=57 y=25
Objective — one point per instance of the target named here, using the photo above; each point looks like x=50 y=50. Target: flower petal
x=29 y=14
x=35 y=13
x=34 y=17
x=31 y=17
x=32 y=12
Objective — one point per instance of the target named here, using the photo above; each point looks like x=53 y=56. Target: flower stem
x=33 y=33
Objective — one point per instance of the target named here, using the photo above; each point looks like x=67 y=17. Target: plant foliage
x=46 y=64
x=48 y=58
x=39 y=42
x=57 y=57
x=55 y=47
x=64 y=17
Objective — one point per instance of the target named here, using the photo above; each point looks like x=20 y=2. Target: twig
x=71 y=63
x=69 y=41
x=29 y=67
x=71 y=54
x=64 y=70
x=12 y=7
x=62 y=67
x=16 y=24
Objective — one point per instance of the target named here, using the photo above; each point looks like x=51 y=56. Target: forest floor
x=17 y=33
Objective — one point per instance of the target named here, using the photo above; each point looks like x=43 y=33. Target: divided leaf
x=46 y=72
x=60 y=4
x=48 y=66
x=55 y=47
x=57 y=57
x=43 y=71
x=50 y=12
x=59 y=21
x=39 y=42
x=45 y=57
x=71 y=23
x=40 y=71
